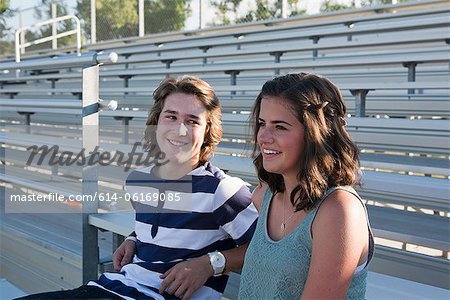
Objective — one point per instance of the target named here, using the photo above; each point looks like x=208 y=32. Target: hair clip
x=316 y=107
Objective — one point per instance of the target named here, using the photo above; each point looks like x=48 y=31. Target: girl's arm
x=340 y=243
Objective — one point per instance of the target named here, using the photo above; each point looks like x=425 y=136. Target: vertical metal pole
x=233 y=79
x=18 y=47
x=411 y=73
x=315 y=40
x=141 y=18
x=126 y=125
x=28 y=122
x=349 y=25
x=93 y=23
x=284 y=4
x=78 y=36
x=200 y=14
x=205 y=49
x=54 y=31
x=126 y=128
x=53 y=81
x=277 y=55
x=126 y=83
x=27 y=119
x=27 y=115
x=360 y=102
x=90 y=140
x=21 y=36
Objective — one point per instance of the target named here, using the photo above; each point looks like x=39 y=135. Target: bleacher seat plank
x=121 y=223
x=433 y=233
x=430 y=56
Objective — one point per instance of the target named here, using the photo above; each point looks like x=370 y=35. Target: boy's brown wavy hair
x=190 y=85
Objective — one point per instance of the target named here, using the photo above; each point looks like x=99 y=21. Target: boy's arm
x=187 y=277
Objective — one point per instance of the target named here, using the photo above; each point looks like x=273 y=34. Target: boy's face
x=181 y=128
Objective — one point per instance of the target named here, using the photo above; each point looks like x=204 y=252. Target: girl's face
x=281 y=137
x=181 y=128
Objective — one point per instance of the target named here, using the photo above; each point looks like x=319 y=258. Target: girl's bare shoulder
x=258 y=194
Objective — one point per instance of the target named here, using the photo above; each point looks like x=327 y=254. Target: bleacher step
x=9 y=291
x=380 y=286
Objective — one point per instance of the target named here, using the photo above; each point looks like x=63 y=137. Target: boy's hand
x=185 y=278
x=124 y=254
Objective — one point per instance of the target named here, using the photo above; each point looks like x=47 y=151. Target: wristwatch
x=217 y=261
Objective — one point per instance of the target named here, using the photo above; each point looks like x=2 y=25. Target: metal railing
x=65 y=61
x=90 y=106
x=21 y=31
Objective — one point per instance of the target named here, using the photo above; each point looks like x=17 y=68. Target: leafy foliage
x=164 y=16
x=6 y=45
x=228 y=11
x=43 y=12
x=119 y=18
x=4 y=5
x=333 y=5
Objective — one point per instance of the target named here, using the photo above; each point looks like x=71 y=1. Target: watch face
x=218 y=260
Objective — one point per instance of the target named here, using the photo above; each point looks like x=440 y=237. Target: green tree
x=6 y=43
x=332 y=5
x=265 y=9
x=119 y=18
x=4 y=5
x=165 y=16
x=43 y=12
x=224 y=10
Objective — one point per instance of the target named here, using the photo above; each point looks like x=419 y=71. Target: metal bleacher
x=392 y=67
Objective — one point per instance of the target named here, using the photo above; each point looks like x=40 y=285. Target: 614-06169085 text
x=102 y=197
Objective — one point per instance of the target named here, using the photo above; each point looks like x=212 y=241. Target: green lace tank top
x=279 y=269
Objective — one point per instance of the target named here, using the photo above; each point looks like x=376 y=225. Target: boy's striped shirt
x=213 y=212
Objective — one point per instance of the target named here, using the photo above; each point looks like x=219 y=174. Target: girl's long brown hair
x=330 y=157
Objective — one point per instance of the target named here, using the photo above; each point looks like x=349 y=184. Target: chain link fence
x=240 y=11
x=116 y=19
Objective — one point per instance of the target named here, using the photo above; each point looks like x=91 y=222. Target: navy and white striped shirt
x=205 y=211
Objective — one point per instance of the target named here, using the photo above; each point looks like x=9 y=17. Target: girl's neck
x=290 y=183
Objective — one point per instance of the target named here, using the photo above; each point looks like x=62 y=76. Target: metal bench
x=374 y=136
x=378 y=137
x=293 y=39
x=334 y=19
x=234 y=67
x=431 y=27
